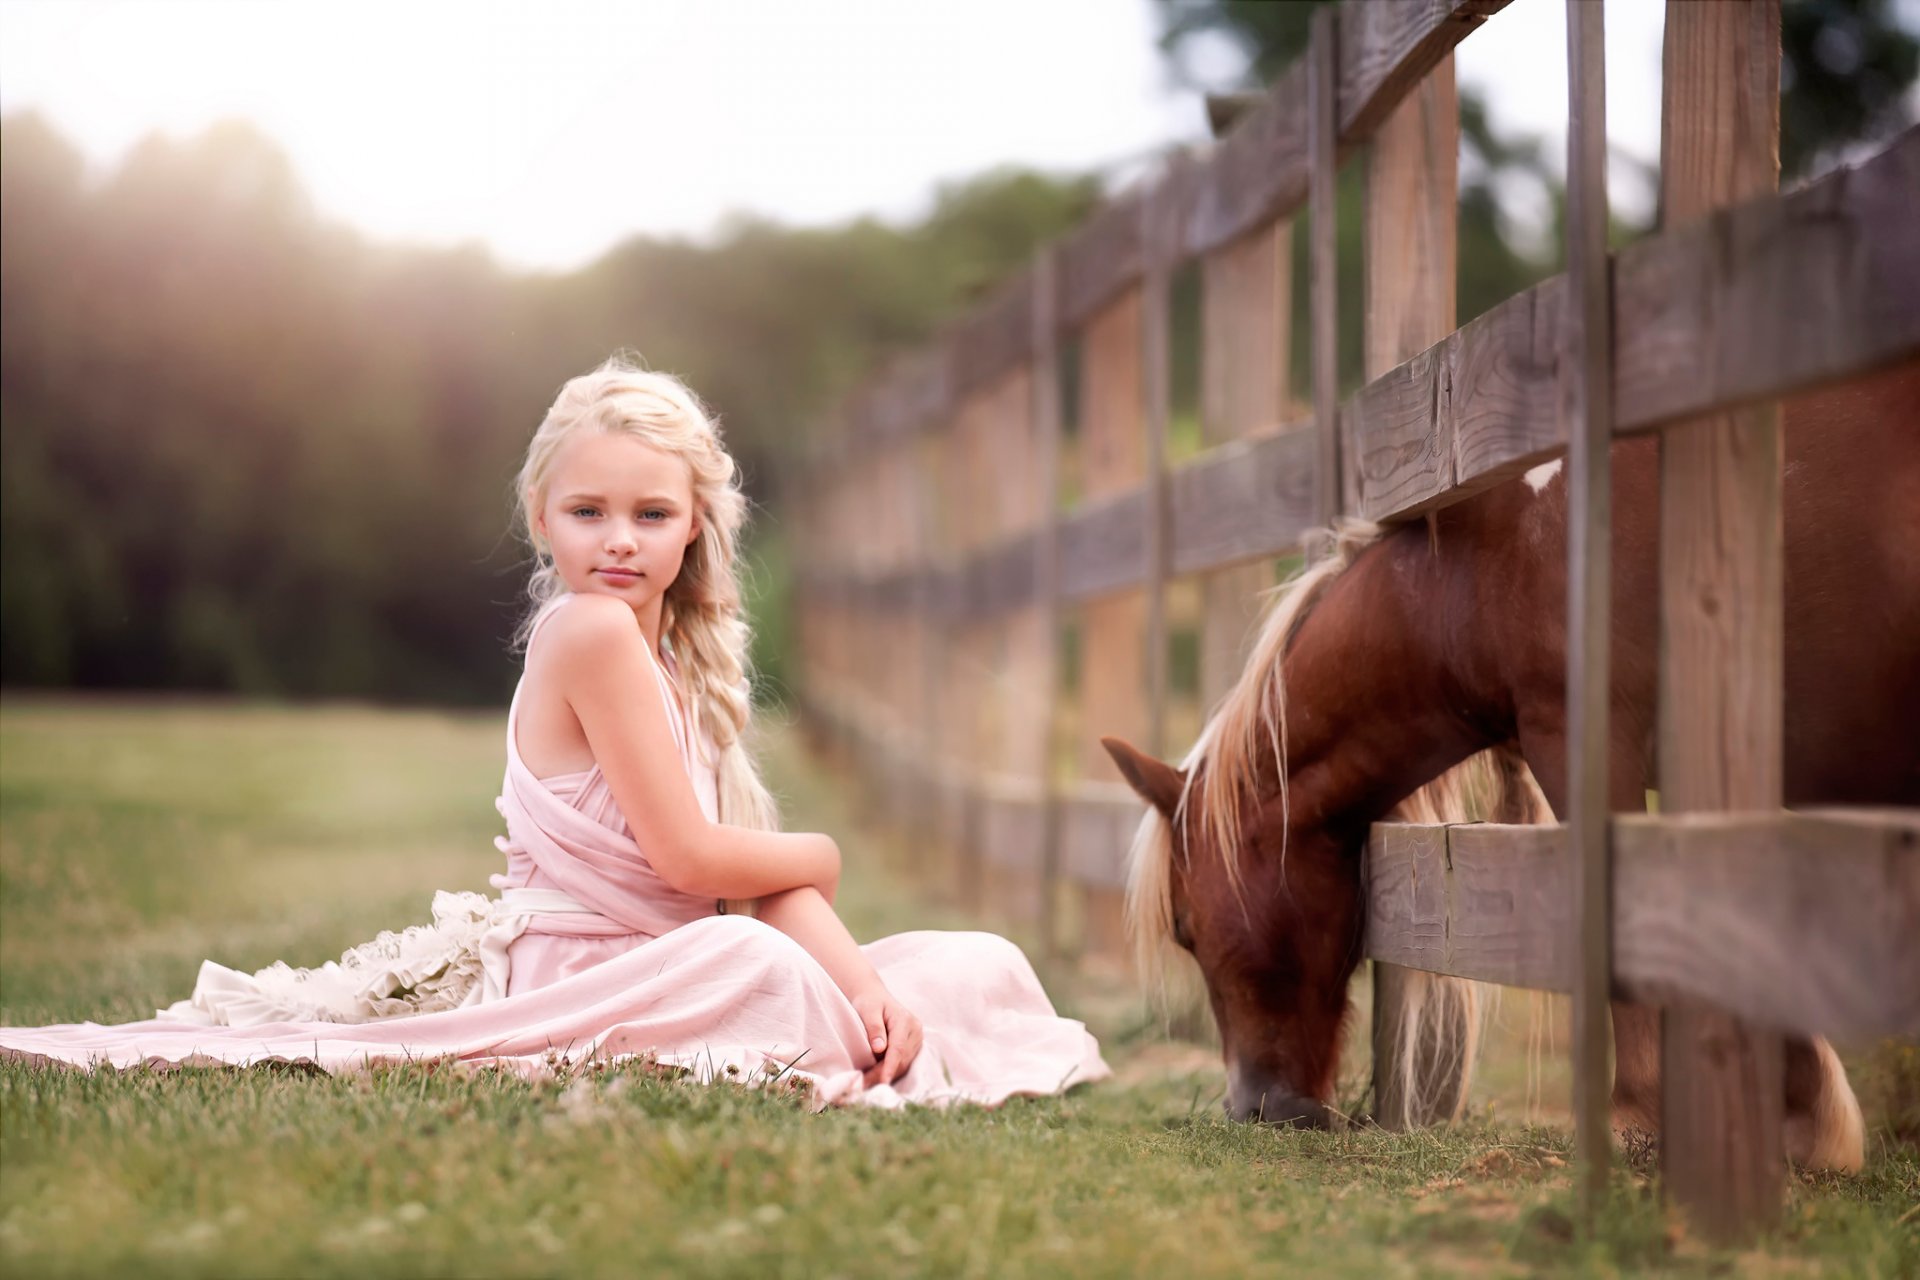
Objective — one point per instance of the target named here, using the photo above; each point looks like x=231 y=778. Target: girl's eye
x=655 y=514
x=589 y=510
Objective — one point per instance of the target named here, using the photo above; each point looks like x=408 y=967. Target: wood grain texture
x=1792 y=921
x=1257 y=173
x=1772 y=917
x=1252 y=499
x=1720 y=624
x=1387 y=47
x=1411 y=216
x=1486 y=902
x=1586 y=406
x=1777 y=296
x=1246 y=310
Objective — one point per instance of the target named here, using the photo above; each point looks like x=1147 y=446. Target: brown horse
x=1415 y=653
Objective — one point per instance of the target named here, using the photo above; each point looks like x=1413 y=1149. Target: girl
x=650 y=904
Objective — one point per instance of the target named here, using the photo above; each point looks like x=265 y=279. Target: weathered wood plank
x=1257 y=173
x=1103 y=547
x=1409 y=230
x=1244 y=501
x=1114 y=687
x=1487 y=902
x=1721 y=643
x=1246 y=310
x=1794 y=922
x=1399 y=439
x=994 y=339
x=1587 y=415
x=1097 y=825
x=1161 y=219
x=1101 y=260
x=1503 y=387
x=1045 y=387
x=1323 y=262
x=1777 y=296
x=1387 y=47
x=1798 y=921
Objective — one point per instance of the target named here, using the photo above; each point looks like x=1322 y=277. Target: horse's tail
x=1438 y=1021
x=1836 y=1136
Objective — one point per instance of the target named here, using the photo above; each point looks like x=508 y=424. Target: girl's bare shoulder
x=586 y=627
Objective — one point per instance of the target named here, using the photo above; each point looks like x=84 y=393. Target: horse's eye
x=1180 y=933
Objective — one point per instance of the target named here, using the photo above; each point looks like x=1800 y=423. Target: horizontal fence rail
x=1700 y=905
x=1783 y=294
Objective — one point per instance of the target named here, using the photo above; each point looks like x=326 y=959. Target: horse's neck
x=1380 y=698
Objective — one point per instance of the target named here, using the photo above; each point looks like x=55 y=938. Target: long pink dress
x=612 y=962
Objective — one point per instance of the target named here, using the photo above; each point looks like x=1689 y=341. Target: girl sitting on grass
x=650 y=903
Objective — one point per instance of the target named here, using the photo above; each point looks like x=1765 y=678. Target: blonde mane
x=1228 y=745
x=1222 y=767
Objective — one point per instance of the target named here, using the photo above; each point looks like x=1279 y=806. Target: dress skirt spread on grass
x=588 y=955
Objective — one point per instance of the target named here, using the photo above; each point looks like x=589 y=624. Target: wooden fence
x=941 y=571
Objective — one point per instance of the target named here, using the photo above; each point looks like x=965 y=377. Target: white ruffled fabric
x=458 y=960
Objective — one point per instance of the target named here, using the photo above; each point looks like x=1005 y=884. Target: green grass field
x=138 y=838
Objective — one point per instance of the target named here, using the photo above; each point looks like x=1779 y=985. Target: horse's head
x=1274 y=924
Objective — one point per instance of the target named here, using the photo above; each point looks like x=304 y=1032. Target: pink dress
x=611 y=962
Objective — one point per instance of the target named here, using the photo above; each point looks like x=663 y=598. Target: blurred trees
x=1846 y=66
x=244 y=449
x=247 y=450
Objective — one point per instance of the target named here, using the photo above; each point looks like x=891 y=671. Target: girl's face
x=618 y=515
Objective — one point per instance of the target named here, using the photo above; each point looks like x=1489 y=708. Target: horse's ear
x=1158 y=783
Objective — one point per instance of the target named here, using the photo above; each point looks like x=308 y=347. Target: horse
x=1414 y=665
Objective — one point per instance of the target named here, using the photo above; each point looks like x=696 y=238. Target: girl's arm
x=893 y=1031
x=599 y=661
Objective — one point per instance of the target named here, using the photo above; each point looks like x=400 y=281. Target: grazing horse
x=1419 y=663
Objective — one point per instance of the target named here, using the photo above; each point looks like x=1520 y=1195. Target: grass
x=137 y=838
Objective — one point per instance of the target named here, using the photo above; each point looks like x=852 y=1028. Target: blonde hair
x=701 y=619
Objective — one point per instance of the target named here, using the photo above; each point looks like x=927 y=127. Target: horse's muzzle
x=1276 y=1105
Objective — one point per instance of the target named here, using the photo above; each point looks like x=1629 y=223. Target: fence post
x=1412 y=212
x=1323 y=136
x=1113 y=649
x=1587 y=411
x=1246 y=301
x=1045 y=387
x=1720 y=618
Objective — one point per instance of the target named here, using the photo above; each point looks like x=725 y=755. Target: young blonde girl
x=634 y=511
x=650 y=903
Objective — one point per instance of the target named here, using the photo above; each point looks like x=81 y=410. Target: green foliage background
x=244 y=449
x=247 y=450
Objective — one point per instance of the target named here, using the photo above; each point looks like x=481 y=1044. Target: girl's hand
x=893 y=1033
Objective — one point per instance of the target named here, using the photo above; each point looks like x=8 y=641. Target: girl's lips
x=617 y=575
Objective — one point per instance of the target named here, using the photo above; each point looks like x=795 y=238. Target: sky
x=550 y=131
